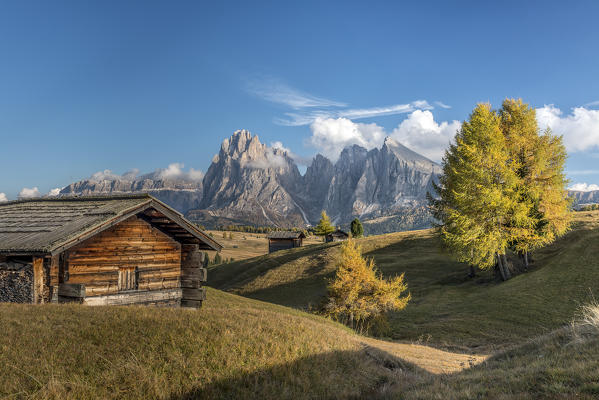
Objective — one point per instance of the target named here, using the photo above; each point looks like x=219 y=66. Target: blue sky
x=87 y=86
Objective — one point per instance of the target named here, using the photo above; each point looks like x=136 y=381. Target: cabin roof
x=52 y=225
x=339 y=232
x=286 y=235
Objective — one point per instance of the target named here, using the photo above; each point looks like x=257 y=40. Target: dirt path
x=428 y=358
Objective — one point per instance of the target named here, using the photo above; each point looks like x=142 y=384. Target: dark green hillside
x=447 y=308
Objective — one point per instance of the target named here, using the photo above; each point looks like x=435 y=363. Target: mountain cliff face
x=588 y=197
x=251 y=183
x=181 y=193
x=379 y=182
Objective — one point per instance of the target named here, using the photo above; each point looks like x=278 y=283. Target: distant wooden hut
x=336 y=236
x=285 y=240
x=100 y=251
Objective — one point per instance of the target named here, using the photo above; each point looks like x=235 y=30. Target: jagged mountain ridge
x=586 y=197
x=251 y=183
x=181 y=193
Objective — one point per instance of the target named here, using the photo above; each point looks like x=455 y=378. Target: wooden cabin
x=336 y=236
x=285 y=240
x=100 y=251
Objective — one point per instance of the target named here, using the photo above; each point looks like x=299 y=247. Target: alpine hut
x=130 y=249
x=336 y=236
x=282 y=240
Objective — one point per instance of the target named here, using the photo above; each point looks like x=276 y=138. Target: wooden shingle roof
x=51 y=225
x=339 y=233
x=286 y=235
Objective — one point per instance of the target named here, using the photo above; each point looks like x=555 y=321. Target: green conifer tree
x=356 y=228
x=324 y=226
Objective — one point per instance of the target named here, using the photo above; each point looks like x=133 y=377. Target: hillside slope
x=447 y=309
x=561 y=364
x=231 y=348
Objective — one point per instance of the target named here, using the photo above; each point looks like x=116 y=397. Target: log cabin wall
x=133 y=248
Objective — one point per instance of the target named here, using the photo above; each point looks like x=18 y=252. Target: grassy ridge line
x=447 y=309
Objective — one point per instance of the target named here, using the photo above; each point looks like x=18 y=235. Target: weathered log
x=191 y=303
x=38 y=280
x=195 y=273
x=71 y=290
x=194 y=294
x=153 y=296
x=192 y=283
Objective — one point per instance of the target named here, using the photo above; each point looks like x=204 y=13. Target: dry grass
x=590 y=317
x=561 y=364
x=447 y=309
x=232 y=348
x=245 y=245
x=237 y=347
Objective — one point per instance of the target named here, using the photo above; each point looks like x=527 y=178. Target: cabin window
x=127 y=278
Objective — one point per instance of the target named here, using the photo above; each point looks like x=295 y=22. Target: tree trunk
x=500 y=267
x=526 y=260
x=506 y=267
x=472 y=272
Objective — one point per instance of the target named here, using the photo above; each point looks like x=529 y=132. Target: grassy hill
x=244 y=245
x=232 y=348
x=561 y=364
x=237 y=347
x=447 y=310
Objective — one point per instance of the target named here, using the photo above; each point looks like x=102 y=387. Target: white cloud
x=584 y=187
x=330 y=135
x=442 y=105
x=275 y=158
x=131 y=174
x=580 y=128
x=279 y=145
x=3 y=197
x=584 y=172
x=592 y=104
x=54 y=192
x=306 y=118
x=105 y=175
x=295 y=157
x=27 y=193
x=279 y=92
x=419 y=132
x=173 y=171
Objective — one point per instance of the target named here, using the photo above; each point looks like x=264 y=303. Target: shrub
x=359 y=296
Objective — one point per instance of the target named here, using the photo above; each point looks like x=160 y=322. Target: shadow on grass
x=365 y=374
x=228 y=276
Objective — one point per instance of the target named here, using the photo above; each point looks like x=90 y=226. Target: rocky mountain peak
x=249 y=182
x=242 y=143
x=418 y=161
